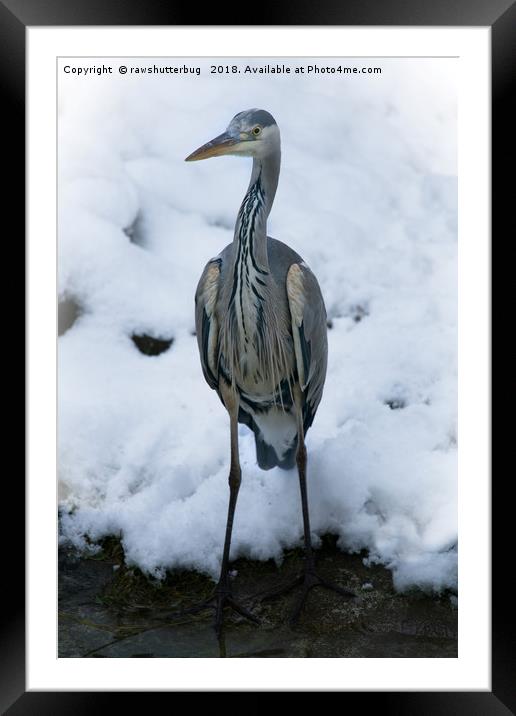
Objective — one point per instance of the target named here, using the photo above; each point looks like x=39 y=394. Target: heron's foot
x=221 y=598
x=307 y=581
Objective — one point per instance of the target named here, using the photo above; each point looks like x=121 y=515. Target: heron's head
x=253 y=133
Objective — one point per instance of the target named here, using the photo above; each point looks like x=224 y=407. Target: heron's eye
x=257 y=131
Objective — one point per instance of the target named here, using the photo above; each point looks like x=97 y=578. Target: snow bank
x=367 y=196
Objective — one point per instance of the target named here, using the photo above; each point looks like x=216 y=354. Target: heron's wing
x=206 y=324
x=309 y=333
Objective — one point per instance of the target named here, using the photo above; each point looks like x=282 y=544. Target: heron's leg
x=222 y=596
x=310 y=578
x=235 y=478
x=301 y=468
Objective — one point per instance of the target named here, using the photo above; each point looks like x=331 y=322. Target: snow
x=367 y=196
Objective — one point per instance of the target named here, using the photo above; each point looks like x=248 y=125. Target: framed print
x=120 y=229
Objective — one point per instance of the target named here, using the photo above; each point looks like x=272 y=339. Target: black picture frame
x=500 y=16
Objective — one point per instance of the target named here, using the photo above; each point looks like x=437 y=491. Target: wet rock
x=68 y=311
x=151 y=346
x=106 y=612
x=135 y=232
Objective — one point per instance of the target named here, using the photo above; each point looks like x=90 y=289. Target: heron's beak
x=223 y=144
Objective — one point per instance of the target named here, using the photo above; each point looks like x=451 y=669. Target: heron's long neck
x=253 y=345
x=251 y=226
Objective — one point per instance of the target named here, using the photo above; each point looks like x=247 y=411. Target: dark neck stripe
x=247 y=216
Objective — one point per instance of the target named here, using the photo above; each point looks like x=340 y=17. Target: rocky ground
x=109 y=610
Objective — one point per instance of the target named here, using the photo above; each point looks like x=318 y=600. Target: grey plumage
x=245 y=328
x=261 y=332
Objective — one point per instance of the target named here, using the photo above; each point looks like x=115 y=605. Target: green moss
x=132 y=590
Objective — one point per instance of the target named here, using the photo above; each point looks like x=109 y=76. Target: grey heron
x=261 y=331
